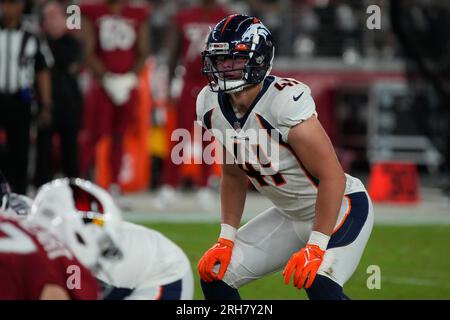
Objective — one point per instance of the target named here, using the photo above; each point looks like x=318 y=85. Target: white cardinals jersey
x=150 y=261
x=257 y=142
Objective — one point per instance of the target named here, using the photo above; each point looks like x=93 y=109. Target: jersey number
x=195 y=34
x=250 y=170
x=15 y=240
x=285 y=82
x=116 y=34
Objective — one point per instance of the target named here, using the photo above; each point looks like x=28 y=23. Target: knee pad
x=323 y=288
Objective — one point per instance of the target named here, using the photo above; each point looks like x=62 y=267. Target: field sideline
x=413 y=262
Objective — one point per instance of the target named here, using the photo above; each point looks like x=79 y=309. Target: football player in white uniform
x=321 y=219
x=151 y=267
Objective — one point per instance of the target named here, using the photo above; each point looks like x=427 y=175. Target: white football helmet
x=82 y=215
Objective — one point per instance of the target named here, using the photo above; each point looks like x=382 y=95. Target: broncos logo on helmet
x=243 y=37
x=255 y=29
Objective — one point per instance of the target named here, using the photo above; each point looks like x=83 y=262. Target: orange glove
x=306 y=262
x=220 y=253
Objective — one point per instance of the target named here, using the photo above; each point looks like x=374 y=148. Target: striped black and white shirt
x=22 y=55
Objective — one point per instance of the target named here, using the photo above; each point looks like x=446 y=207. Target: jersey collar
x=227 y=109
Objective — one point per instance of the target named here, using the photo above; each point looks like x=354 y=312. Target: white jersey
x=277 y=173
x=150 y=260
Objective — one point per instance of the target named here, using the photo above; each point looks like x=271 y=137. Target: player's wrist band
x=227 y=232
x=319 y=239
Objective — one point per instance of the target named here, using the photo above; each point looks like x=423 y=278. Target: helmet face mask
x=238 y=38
x=227 y=79
x=108 y=249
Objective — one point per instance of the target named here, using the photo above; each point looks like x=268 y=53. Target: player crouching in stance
x=34 y=262
x=128 y=260
x=322 y=218
x=152 y=267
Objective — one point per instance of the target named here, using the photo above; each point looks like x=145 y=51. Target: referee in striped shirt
x=24 y=65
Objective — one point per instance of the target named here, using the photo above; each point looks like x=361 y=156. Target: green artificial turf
x=414 y=262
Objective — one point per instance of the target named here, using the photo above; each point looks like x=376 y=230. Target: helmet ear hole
x=80 y=238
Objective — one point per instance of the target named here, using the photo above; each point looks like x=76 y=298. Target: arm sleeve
x=44 y=58
x=291 y=112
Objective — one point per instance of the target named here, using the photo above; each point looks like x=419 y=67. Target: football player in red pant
x=190 y=28
x=116 y=39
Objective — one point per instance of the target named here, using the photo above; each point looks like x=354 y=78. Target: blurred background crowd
x=382 y=94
